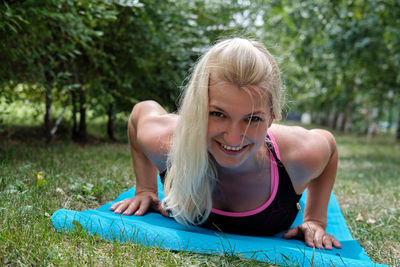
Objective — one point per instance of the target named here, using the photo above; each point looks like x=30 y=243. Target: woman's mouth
x=231 y=150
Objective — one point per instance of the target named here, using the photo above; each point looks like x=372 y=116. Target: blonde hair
x=191 y=173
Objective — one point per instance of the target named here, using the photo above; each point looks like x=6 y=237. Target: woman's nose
x=234 y=134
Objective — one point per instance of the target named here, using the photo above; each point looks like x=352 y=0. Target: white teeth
x=231 y=147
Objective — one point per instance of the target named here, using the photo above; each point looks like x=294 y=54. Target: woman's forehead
x=226 y=95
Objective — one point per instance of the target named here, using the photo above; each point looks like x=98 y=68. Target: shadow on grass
x=34 y=135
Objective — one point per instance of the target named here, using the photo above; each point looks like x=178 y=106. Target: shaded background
x=74 y=69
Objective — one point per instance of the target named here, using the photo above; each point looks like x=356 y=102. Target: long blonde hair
x=191 y=173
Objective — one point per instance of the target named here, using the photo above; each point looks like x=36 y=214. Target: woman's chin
x=229 y=165
x=229 y=162
x=232 y=161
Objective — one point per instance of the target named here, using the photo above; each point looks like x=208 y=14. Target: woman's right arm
x=150 y=130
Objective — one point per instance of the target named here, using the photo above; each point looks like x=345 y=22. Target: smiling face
x=237 y=124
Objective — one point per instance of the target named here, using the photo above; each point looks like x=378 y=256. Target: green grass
x=368 y=184
x=81 y=177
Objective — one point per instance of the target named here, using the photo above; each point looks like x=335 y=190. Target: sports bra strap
x=273 y=147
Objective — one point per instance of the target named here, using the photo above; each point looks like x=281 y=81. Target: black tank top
x=274 y=218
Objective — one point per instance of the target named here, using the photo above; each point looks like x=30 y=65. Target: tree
x=42 y=41
x=337 y=53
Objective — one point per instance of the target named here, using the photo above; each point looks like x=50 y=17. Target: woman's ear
x=271 y=120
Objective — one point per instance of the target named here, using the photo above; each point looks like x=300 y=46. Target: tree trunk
x=59 y=119
x=339 y=121
x=110 y=123
x=324 y=118
x=390 y=119
x=82 y=118
x=47 y=116
x=344 y=117
x=316 y=118
x=74 y=121
x=373 y=123
x=332 y=119
x=398 y=127
x=349 y=124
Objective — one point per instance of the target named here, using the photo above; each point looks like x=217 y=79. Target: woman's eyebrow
x=216 y=107
x=255 y=113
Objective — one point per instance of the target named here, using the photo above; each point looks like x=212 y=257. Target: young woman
x=224 y=164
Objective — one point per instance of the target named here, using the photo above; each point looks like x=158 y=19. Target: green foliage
x=105 y=55
x=340 y=56
x=336 y=56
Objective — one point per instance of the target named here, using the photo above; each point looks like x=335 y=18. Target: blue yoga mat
x=155 y=230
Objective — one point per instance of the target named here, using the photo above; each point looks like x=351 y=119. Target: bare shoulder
x=155 y=132
x=305 y=153
x=153 y=127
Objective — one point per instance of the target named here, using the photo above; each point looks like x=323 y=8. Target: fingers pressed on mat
x=336 y=243
x=327 y=242
x=121 y=208
x=143 y=206
x=116 y=205
x=131 y=208
x=318 y=239
x=309 y=238
x=294 y=232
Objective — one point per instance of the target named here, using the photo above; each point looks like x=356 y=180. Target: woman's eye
x=254 y=119
x=216 y=114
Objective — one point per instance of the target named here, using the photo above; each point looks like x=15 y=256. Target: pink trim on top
x=272 y=138
x=274 y=187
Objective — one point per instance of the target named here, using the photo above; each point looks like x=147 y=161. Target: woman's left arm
x=318 y=194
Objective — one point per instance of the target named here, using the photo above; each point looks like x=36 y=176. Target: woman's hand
x=139 y=205
x=314 y=235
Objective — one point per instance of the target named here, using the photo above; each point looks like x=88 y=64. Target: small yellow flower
x=40 y=176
